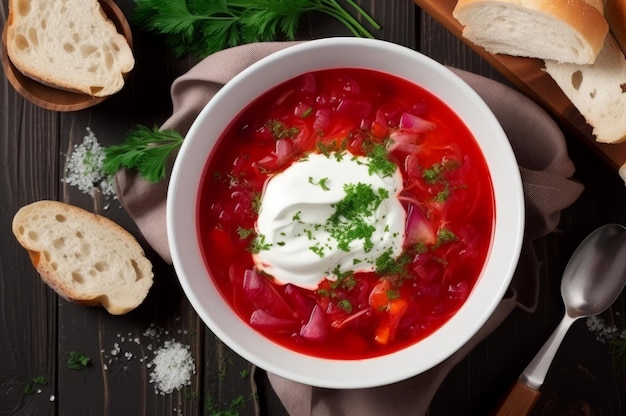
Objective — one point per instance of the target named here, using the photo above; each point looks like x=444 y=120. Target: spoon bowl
x=595 y=275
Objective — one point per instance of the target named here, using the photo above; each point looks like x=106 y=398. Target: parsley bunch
x=144 y=149
x=202 y=27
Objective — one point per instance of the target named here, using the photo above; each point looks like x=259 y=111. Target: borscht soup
x=346 y=214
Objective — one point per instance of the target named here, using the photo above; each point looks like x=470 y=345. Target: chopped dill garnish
x=322 y=183
x=244 y=232
x=345 y=280
x=259 y=244
x=443 y=195
x=256 y=201
x=307 y=112
x=345 y=305
x=349 y=221
x=386 y=264
x=333 y=147
x=281 y=131
x=379 y=163
x=445 y=236
x=393 y=294
x=437 y=171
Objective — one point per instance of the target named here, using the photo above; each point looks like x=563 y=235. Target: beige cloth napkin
x=545 y=167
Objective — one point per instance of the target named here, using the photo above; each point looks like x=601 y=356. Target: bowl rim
x=497 y=272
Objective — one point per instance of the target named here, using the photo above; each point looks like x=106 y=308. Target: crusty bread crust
x=68 y=44
x=583 y=17
x=84 y=257
x=615 y=13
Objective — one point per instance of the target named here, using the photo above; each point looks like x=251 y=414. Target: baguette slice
x=564 y=31
x=84 y=257
x=598 y=91
x=68 y=44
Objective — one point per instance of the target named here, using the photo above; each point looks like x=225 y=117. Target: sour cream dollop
x=326 y=215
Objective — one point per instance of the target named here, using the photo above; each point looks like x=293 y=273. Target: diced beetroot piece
x=415 y=124
x=389 y=114
x=263 y=295
x=268 y=163
x=316 y=329
x=284 y=151
x=412 y=166
x=303 y=110
x=263 y=135
x=253 y=285
x=308 y=86
x=404 y=141
x=418 y=228
x=427 y=269
x=351 y=107
x=301 y=304
x=267 y=322
x=322 y=120
x=236 y=273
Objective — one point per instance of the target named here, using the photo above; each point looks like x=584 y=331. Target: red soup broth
x=447 y=197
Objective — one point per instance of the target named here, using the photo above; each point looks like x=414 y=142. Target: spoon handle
x=535 y=373
x=520 y=401
x=525 y=393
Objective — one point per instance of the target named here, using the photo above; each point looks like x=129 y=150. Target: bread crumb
x=84 y=168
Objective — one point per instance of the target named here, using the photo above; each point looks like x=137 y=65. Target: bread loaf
x=598 y=91
x=68 y=44
x=565 y=31
x=84 y=257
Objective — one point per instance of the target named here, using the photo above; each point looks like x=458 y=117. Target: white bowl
x=337 y=53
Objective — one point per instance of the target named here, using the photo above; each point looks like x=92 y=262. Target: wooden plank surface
x=527 y=75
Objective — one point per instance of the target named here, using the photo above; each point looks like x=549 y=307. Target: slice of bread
x=564 y=31
x=598 y=91
x=84 y=257
x=68 y=44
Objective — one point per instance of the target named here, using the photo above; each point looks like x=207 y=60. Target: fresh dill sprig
x=144 y=149
x=202 y=27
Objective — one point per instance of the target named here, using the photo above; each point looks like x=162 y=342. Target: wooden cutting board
x=527 y=75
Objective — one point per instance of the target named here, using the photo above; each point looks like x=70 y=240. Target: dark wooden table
x=38 y=330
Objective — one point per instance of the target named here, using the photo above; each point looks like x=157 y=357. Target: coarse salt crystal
x=84 y=167
x=173 y=367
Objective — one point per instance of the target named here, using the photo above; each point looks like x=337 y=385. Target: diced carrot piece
x=378 y=296
x=379 y=130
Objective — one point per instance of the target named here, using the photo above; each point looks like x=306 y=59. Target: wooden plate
x=52 y=98
x=528 y=76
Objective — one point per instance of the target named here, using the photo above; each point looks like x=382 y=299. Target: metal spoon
x=593 y=279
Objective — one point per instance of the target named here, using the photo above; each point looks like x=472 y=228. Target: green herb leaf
x=77 y=360
x=202 y=27
x=321 y=183
x=379 y=163
x=144 y=149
